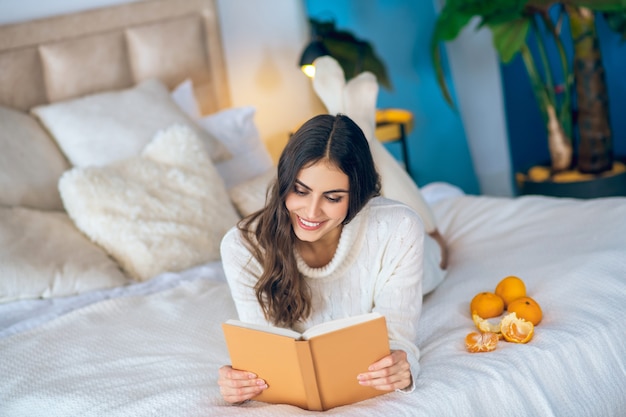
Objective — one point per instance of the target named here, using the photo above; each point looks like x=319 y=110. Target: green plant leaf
x=441 y=79
x=456 y=14
x=493 y=12
x=508 y=38
x=449 y=24
x=617 y=22
x=597 y=5
x=487 y=7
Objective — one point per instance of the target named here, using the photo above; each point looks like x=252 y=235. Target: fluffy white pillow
x=43 y=255
x=249 y=196
x=30 y=163
x=102 y=128
x=236 y=129
x=166 y=210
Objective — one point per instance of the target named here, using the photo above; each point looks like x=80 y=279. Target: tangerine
x=481 y=342
x=510 y=289
x=526 y=308
x=515 y=329
x=487 y=305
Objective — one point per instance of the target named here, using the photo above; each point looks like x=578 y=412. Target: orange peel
x=515 y=329
x=486 y=326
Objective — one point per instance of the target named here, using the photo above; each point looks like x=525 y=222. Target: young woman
x=326 y=246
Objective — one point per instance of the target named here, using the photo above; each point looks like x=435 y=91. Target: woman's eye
x=299 y=191
x=333 y=199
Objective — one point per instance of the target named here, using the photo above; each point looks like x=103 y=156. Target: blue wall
x=400 y=31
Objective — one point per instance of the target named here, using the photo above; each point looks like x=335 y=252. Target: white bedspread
x=157 y=354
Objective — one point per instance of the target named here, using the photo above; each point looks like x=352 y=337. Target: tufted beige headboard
x=58 y=58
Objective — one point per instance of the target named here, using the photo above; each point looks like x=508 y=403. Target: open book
x=315 y=370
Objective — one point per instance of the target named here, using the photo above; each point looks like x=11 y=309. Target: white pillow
x=236 y=129
x=43 y=255
x=102 y=128
x=30 y=163
x=249 y=196
x=183 y=96
x=166 y=210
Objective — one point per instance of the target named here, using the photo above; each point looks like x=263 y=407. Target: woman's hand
x=390 y=373
x=444 y=248
x=239 y=386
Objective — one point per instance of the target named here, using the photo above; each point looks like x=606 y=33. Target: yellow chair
x=393 y=125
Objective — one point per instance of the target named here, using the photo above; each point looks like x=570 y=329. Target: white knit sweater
x=378 y=266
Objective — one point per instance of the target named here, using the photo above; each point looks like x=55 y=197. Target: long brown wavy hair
x=282 y=293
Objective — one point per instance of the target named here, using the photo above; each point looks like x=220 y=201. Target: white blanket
x=157 y=354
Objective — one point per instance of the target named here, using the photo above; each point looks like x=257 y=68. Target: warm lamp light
x=314 y=50
x=308 y=70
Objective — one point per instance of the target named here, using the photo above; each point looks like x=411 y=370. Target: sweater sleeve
x=398 y=294
x=242 y=272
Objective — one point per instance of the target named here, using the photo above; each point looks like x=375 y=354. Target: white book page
x=333 y=325
x=267 y=329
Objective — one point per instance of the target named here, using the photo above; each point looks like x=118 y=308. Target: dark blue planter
x=604 y=186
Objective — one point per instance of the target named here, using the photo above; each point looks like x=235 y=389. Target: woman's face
x=318 y=203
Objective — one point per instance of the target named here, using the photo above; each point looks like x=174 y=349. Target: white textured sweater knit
x=378 y=266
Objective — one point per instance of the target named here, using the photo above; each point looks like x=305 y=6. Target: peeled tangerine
x=481 y=342
x=515 y=329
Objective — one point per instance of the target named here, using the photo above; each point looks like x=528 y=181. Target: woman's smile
x=318 y=203
x=308 y=225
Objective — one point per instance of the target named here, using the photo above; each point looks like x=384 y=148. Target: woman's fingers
x=390 y=373
x=237 y=386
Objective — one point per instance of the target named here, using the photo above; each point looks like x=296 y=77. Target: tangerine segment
x=510 y=289
x=515 y=329
x=481 y=342
x=526 y=308
x=486 y=305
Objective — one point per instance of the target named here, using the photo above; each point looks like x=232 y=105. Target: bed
x=123 y=163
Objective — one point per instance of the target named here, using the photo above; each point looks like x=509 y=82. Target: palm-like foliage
x=353 y=55
x=511 y=22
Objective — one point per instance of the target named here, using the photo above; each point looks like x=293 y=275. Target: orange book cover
x=315 y=370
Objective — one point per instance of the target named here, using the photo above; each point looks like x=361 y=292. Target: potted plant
x=511 y=22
